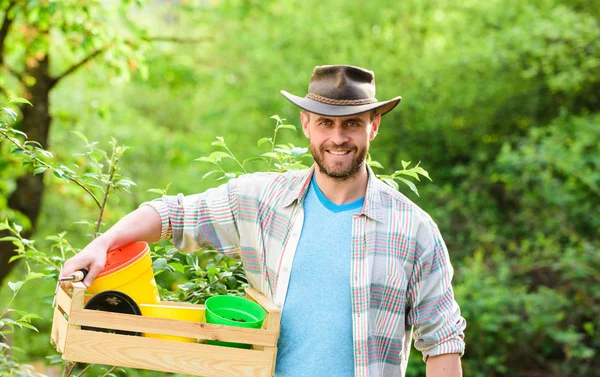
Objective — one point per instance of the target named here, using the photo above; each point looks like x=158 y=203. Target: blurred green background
x=501 y=104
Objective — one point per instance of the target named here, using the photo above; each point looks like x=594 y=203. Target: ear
x=375 y=126
x=304 y=119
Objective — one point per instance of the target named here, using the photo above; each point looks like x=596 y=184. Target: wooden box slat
x=164 y=355
x=164 y=326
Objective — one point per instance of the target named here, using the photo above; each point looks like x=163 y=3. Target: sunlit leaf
x=39 y=170
x=19 y=100
x=270 y=154
x=218 y=155
x=82 y=137
x=287 y=126
x=15 y=286
x=409 y=184
x=263 y=140
x=10 y=112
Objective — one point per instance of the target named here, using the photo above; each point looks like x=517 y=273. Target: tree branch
x=76 y=66
x=72 y=179
x=6 y=22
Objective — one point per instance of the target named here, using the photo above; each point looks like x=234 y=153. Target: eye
x=325 y=122
x=353 y=123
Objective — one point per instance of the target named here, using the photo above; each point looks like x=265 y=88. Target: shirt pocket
x=387 y=318
x=387 y=308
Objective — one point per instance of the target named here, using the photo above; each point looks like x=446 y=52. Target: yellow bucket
x=128 y=269
x=173 y=310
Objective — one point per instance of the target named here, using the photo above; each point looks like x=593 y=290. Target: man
x=354 y=264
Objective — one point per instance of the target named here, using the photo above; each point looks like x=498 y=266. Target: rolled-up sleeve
x=193 y=221
x=434 y=313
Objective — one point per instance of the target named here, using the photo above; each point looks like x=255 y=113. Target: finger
x=94 y=270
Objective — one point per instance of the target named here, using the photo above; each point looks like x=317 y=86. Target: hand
x=92 y=258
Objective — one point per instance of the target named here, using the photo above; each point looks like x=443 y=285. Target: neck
x=342 y=191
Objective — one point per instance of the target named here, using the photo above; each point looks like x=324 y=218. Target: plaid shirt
x=401 y=272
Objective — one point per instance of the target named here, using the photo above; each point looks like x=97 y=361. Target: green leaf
x=178 y=267
x=276 y=117
x=264 y=140
x=39 y=170
x=4 y=345
x=126 y=183
x=10 y=238
x=19 y=100
x=10 y=112
x=15 y=257
x=21 y=133
x=287 y=126
x=34 y=275
x=220 y=142
x=205 y=159
x=218 y=155
x=375 y=164
x=390 y=182
x=82 y=137
x=15 y=286
x=192 y=260
x=409 y=184
x=27 y=325
x=423 y=172
x=405 y=164
x=410 y=173
x=156 y=191
x=299 y=152
x=270 y=154
x=159 y=264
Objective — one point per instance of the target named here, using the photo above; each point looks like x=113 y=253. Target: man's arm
x=143 y=224
x=447 y=365
x=435 y=315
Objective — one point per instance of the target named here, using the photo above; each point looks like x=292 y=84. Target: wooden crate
x=139 y=352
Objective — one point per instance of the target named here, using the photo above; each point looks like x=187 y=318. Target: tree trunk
x=27 y=197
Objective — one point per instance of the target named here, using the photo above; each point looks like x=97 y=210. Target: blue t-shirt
x=316 y=322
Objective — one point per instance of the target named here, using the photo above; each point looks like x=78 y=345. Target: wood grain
x=59 y=330
x=166 y=356
x=164 y=326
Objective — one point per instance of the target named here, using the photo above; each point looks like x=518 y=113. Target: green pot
x=234 y=311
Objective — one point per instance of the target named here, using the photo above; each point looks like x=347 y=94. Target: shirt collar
x=371 y=208
x=298 y=187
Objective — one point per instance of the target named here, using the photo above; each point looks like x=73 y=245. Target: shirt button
x=285 y=269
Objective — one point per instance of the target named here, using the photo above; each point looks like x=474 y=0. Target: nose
x=338 y=136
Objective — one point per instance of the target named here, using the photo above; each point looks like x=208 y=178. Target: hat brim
x=340 y=111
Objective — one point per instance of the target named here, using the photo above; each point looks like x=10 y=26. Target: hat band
x=341 y=102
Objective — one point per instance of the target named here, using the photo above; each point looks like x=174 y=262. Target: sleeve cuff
x=449 y=346
x=162 y=209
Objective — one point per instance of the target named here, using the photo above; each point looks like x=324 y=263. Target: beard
x=339 y=170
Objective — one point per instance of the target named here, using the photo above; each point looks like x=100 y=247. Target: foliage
x=502 y=99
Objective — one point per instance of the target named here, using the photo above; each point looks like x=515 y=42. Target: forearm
x=143 y=224
x=447 y=365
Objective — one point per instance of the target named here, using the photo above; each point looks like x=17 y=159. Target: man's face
x=340 y=145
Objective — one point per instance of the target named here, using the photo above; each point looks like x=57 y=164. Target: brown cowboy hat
x=341 y=90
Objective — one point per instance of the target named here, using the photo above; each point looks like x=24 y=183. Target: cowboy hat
x=341 y=90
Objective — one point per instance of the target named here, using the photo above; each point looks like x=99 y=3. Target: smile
x=338 y=153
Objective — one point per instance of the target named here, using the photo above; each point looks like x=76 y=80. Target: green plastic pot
x=233 y=311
